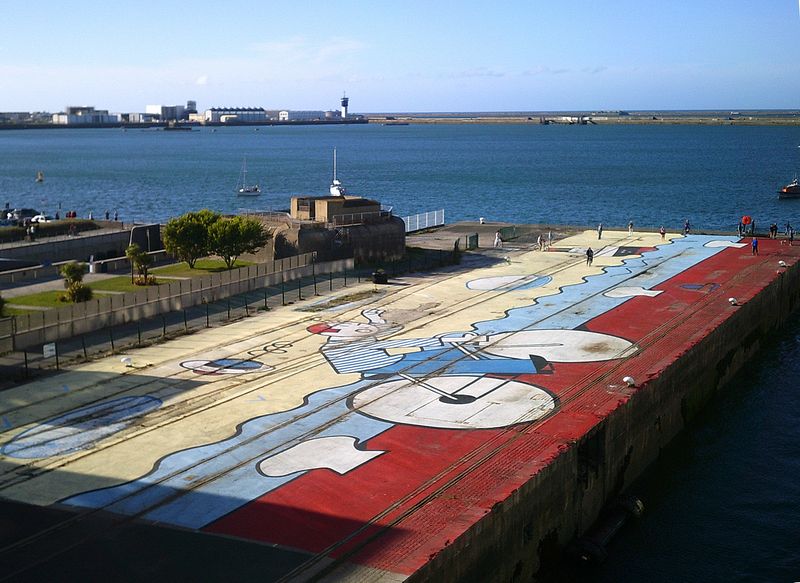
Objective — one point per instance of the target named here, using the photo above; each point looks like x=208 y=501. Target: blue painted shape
x=578 y=304
x=78 y=429
x=194 y=487
x=235 y=363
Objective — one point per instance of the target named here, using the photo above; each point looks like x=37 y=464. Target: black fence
x=24 y=365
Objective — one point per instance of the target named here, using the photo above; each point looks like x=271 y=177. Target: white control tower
x=345 y=102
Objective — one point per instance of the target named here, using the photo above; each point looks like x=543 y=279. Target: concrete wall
x=45 y=273
x=370 y=243
x=527 y=533
x=77 y=248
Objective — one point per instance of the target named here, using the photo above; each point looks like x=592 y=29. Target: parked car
x=42 y=219
x=22 y=214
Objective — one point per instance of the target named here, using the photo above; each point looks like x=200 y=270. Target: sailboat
x=336 y=186
x=40 y=176
x=244 y=189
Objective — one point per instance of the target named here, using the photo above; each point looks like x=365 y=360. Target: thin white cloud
x=544 y=70
x=476 y=72
x=594 y=70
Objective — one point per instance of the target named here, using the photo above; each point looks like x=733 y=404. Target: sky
x=409 y=56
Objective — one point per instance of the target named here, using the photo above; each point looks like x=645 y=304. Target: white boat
x=791 y=190
x=40 y=176
x=244 y=189
x=336 y=186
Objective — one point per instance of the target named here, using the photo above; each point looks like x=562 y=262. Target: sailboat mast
x=334 y=165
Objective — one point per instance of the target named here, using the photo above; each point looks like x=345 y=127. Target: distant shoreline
x=401 y=119
x=655 y=118
x=183 y=126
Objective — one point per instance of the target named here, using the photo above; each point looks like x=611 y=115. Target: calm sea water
x=578 y=175
x=722 y=504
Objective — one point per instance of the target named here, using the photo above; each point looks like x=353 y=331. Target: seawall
x=527 y=534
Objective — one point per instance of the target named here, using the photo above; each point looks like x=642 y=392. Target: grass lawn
x=118 y=284
x=15 y=311
x=49 y=299
x=202 y=267
x=45 y=299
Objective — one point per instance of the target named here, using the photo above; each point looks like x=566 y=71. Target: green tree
x=230 y=237
x=139 y=259
x=187 y=237
x=77 y=291
x=72 y=273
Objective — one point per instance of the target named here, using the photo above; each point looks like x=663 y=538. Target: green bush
x=145 y=280
x=8 y=234
x=78 y=292
x=72 y=273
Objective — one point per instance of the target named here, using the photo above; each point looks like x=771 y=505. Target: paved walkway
x=379 y=430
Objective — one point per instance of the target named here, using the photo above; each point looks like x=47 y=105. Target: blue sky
x=401 y=56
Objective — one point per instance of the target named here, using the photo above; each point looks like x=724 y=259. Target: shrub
x=72 y=273
x=145 y=280
x=77 y=292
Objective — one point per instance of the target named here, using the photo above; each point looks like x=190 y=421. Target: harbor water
x=721 y=503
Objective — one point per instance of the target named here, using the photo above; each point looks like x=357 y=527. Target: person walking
x=498 y=242
x=662 y=231
x=686 y=227
x=589 y=256
x=755 y=246
x=630 y=228
x=600 y=231
x=791 y=236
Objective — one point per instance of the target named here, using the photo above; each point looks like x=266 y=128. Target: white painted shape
x=334 y=453
x=559 y=345
x=488 y=283
x=498 y=402
x=718 y=243
x=606 y=252
x=631 y=291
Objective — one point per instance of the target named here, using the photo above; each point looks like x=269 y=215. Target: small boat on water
x=791 y=190
x=40 y=176
x=244 y=189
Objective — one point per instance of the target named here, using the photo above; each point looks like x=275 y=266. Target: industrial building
x=235 y=114
x=77 y=115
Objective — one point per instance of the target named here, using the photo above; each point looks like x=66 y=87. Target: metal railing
x=359 y=218
x=424 y=221
x=112 y=310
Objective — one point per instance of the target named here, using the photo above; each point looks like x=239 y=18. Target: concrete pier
x=459 y=425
